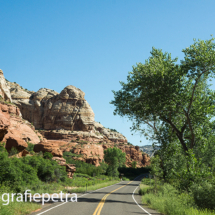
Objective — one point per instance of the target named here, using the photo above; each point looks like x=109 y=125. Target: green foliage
x=204 y=195
x=132 y=173
x=176 y=104
x=114 y=130
x=115 y=158
x=47 y=155
x=30 y=148
x=85 y=168
x=29 y=170
x=70 y=154
x=134 y=164
x=2 y=147
x=13 y=151
x=168 y=200
x=173 y=99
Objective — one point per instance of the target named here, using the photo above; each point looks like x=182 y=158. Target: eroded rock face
x=47 y=109
x=53 y=148
x=14 y=131
x=111 y=135
x=91 y=153
x=89 y=147
x=4 y=89
x=70 y=168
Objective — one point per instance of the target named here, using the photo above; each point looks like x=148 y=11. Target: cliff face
x=16 y=132
x=89 y=147
x=66 y=120
x=4 y=89
x=49 y=110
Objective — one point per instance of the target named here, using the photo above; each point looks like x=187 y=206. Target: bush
x=204 y=195
x=134 y=164
x=13 y=151
x=21 y=172
x=167 y=200
x=48 y=155
x=30 y=148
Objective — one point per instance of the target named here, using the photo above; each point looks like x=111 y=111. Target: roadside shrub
x=21 y=172
x=204 y=195
x=14 y=171
x=168 y=200
x=47 y=170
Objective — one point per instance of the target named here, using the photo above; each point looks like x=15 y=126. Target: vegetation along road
x=120 y=198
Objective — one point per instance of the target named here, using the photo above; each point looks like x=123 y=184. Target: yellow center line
x=101 y=203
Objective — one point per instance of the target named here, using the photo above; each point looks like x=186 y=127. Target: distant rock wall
x=49 y=110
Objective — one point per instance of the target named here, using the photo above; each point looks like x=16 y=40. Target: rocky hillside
x=17 y=132
x=65 y=121
x=148 y=149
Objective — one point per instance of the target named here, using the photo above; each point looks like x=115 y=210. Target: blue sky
x=93 y=44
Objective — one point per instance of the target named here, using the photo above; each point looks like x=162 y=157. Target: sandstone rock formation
x=91 y=153
x=89 y=147
x=4 y=89
x=48 y=147
x=14 y=131
x=66 y=121
x=110 y=134
x=47 y=109
x=70 y=168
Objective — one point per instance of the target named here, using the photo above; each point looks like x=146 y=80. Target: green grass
x=92 y=187
x=18 y=208
x=15 y=208
x=167 y=200
x=143 y=189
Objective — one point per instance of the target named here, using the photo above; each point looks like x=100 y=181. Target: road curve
x=121 y=198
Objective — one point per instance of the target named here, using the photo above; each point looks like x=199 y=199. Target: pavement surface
x=121 y=198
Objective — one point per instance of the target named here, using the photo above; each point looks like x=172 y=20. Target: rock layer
x=47 y=109
x=89 y=147
x=14 y=131
x=70 y=168
x=4 y=89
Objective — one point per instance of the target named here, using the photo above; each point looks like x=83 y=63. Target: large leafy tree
x=115 y=158
x=172 y=98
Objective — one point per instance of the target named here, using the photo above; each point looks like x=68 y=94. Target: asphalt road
x=121 y=198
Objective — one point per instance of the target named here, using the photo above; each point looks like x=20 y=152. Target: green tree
x=30 y=148
x=47 y=155
x=172 y=98
x=134 y=164
x=115 y=158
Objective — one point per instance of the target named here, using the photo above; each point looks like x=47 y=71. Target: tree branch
x=194 y=88
x=191 y=129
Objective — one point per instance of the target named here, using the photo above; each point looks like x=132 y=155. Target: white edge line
x=137 y=203
x=51 y=208
x=77 y=197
